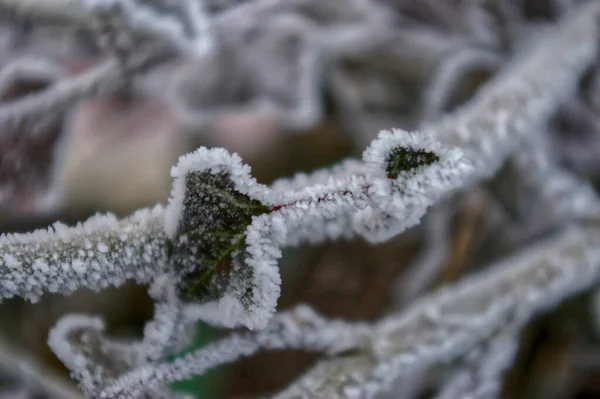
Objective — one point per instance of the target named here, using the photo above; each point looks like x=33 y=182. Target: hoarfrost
x=133 y=248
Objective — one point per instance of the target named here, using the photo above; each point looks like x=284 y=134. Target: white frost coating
x=96 y=361
x=169 y=330
x=358 y=196
x=481 y=378
x=447 y=324
x=262 y=254
x=302 y=180
x=95 y=254
x=300 y=328
x=400 y=203
x=523 y=95
x=215 y=160
x=452 y=321
x=262 y=246
x=89 y=374
x=104 y=251
x=487 y=129
x=322 y=210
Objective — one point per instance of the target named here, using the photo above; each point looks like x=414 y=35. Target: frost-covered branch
x=221 y=235
x=448 y=324
x=539 y=193
x=227 y=230
x=524 y=94
x=172 y=326
x=300 y=328
x=77 y=342
x=485 y=310
x=401 y=176
x=490 y=127
x=481 y=377
x=98 y=253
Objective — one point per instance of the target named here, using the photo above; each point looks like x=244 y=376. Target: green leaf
x=209 y=245
x=406 y=159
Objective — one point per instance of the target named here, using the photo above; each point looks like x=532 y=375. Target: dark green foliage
x=210 y=238
x=407 y=158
